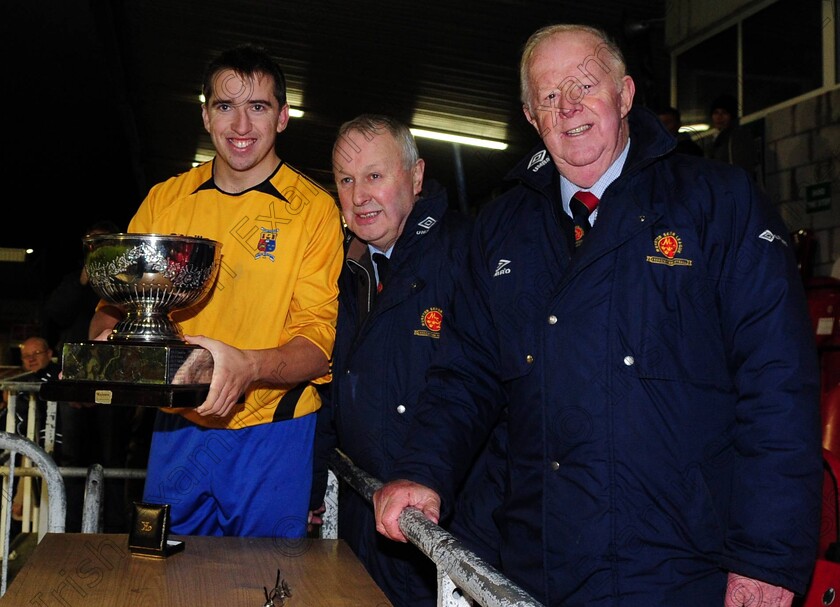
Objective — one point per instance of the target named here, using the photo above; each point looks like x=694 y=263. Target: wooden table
x=93 y=570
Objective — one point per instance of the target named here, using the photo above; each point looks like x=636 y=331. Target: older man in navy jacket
x=404 y=252
x=657 y=360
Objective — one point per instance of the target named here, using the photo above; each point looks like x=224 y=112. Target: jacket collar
x=648 y=141
x=424 y=218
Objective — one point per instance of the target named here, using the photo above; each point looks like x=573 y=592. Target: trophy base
x=136 y=363
x=133 y=374
x=125 y=394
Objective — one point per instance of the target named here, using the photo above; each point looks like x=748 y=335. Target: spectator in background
x=672 y=120
x=38 y=365
x=732 y=143
x=70 y=306
x=36 y=357
x=93 y=434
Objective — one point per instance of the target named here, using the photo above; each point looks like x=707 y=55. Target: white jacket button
x=629 y=361
x=400 y=409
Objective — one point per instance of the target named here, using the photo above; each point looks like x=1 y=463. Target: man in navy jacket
x=661 y=377
x=389 y=327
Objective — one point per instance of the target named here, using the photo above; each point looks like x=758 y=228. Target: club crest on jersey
x=431 y=319
x=267 y=244
x=670 y=246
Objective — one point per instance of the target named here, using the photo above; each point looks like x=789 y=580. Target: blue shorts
x=249 y=482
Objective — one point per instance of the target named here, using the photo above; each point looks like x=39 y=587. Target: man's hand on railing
x=392 y=498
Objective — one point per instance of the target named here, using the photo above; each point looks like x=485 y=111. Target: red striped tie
x=582 y=205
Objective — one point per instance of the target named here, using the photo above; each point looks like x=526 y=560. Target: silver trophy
x=145 y=360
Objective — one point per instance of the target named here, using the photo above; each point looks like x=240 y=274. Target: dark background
x=102 y=95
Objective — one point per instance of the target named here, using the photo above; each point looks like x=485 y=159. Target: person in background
x=732 y=143
x=240 y=463
x=70 y=306
x=404 y=251
x=92 y=434
x=672 y=120
x=656 y=357
x=36 y=358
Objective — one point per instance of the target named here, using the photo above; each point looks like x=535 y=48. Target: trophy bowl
x=149 y=276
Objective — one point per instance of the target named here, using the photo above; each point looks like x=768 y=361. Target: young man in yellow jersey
x=241 y=462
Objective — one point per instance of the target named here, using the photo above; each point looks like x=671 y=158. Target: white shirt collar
x=568 y=189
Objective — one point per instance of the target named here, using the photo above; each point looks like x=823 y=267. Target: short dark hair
x=725 y=102
x=246 y=61
x=670 y=110
x=103 y=226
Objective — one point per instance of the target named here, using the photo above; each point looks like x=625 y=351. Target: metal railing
x=40 y=513
x=46 y=468
x=26 y=391
x=464 y=579
x=460 y=571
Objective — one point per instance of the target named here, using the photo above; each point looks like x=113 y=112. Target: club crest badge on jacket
x=432 y=320
x=670 y=245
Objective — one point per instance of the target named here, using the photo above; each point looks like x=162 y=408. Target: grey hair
x=614 y=56
x=373 y=124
